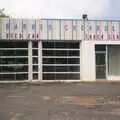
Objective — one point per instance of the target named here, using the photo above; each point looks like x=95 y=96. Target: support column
x=30 y=60
x=87 y=61
x=40 y=60
x=106 y=59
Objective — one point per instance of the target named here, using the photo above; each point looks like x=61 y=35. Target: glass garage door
x=61 y=60
x=13 y=60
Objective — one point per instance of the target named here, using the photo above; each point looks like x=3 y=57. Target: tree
x=3 y=14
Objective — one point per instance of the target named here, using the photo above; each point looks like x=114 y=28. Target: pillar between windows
x=39 y=60
x=30 y=61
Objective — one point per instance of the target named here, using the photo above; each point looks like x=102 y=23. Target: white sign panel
x=39 y=29
x=66 y=29
x=43 y=27
x=80 y=30
x=49 y=29
x=74 y=30
x=58 y=29
x=15 y=29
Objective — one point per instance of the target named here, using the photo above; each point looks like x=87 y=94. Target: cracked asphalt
x=78 y=101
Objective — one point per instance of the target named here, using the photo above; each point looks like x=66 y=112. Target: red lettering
x=102 y=36
x=20 y=36
x=117 y=36
x=113 y=37
x=37 y=36
x=97 y=37
x=33 y=35
x=94 y=37
x=90 y=37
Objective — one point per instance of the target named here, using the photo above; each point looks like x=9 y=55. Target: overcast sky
x=96 y=9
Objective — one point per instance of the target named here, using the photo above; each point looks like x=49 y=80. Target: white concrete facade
x=87 y=61
x=58 y=33
x=40 y=60
x=30 y=61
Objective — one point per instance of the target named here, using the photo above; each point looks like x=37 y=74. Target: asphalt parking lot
x=81 y=101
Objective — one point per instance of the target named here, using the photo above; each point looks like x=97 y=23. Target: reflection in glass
x=35 y=68
x=13 y=52
x=14 y=60
x=35 y=52
x=13 y=77
x=100 y=72
x=13 y=68
x=48 y=76
x=7 y=77
x=35 y=76
x=13 y=44
x=100 y=59
x=60 y=76
x=35 y=60
x=65 y=45
x=35 y=44
x=21 y=76
x=100 y=47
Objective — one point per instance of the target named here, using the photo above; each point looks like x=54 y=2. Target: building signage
x=59 y=29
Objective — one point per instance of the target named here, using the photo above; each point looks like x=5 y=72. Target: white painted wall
x=30 y=61
x=87 y=61
x=56 y=30
x=40 y=60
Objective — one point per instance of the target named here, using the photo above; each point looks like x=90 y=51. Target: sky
x=73 y=9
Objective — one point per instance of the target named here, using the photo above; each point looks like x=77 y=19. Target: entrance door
x=100 y=66
x=100 y=53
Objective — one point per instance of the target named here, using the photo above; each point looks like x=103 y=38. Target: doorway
x=100 y=56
